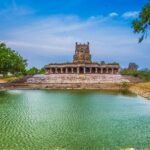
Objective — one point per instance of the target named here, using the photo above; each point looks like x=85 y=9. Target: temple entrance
x=110 y=70
x=74 y=70
x=64 y=70
x=53 y=70
x=69 y=70
x=87 y=70
x=81 y=70
x=93 y=70
x=99 y=70
x=115 y=71
x=58 y=70
x=104 y=70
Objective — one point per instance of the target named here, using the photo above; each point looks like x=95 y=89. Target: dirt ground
x=2 y=81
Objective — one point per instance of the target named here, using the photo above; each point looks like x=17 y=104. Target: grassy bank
x=142 y=89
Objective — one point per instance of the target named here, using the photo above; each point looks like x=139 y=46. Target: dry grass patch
x=143 y=86
x=7 y=79
x=2 y=81
x=142 y=89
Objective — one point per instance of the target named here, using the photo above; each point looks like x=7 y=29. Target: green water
x=73 y=120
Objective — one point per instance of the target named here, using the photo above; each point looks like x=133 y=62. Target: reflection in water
x=73 y=120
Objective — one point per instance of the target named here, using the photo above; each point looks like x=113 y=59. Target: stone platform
x=77 y=79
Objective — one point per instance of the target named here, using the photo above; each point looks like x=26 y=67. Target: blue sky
x=45 y=31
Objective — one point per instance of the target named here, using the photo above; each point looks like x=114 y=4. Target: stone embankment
x=77 y=79
x=68 y=81
x=81 y=81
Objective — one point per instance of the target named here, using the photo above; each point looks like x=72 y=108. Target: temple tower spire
x=82 y=53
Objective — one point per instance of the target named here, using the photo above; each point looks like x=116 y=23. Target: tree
x=102 y=62
x=142 y=74
x=11 y=61
x=142 y=23
x=41 y=71
x=34 y=70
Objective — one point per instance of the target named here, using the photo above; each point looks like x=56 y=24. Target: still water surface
x=73 y=120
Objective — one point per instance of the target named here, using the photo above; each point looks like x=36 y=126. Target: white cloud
x=96 y=19
x=113 y=14
x=130 y=14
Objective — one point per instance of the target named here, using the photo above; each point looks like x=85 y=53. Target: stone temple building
x=82 y=64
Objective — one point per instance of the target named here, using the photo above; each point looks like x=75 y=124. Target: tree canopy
x=142 y=23
x=11 y=61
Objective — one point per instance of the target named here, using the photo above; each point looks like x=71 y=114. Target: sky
x=45 y=31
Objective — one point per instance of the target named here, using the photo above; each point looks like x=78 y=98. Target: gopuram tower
x=82 y=54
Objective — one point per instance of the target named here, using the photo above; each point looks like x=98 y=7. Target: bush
x=125 y=86
x=142 y=74
x=34 y=70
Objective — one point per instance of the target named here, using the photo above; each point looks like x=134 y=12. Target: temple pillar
x=72 y=70
x=112 y=70
x=117 y=71
x=51 y=70
x=106 y=70
x=90 y=70
x=101 y=70
x=55 y=71
x=48 y=71
x=66 y=70
x=84 y=70
x=61 y=70
x=96 y=70
x=78 y=70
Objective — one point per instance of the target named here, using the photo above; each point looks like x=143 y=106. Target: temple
x=82 y=64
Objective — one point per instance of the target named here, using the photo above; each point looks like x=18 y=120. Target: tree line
x=13 y=63
x=133 y=70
